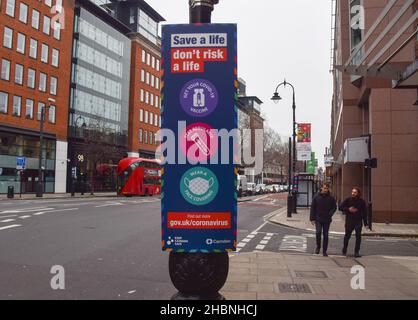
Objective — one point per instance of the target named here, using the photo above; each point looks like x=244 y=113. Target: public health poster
x=199 y=123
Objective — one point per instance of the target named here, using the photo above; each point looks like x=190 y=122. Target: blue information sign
x=20 y=163
x=199 y=107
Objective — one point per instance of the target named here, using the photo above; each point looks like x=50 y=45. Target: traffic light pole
x=199 y=276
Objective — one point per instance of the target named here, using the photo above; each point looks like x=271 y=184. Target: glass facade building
x=99 y=97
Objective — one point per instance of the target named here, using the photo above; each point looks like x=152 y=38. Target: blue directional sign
x=20 y=163
x=199 y=108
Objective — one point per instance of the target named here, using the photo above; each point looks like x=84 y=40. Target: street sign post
x=199 y=193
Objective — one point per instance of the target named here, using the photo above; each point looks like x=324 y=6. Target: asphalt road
x=110 y=247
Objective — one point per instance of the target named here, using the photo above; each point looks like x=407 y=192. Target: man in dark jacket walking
x=323 y=208
x=355 y=212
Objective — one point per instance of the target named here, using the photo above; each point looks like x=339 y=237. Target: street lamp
x=201 y=10
x=291 y=203
x=40 y=185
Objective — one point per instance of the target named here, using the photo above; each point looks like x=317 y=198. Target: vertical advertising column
x=199 y=138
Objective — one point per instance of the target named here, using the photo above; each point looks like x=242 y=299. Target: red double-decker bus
x=139 y=177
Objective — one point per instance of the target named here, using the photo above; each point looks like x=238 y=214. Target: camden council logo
x=199 y=186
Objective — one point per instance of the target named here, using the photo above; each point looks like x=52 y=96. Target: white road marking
x=7 y=221
x=110 y=205
x=294 y=243
x=261 y=198
x=24 y=217
x=26 y=210
x=11 y=216
x=260 y=247
x=39 y=213
x=264 y=242
x=58 y=210
x=10 y=227
x=246 y=240
x=130 y=292
x=241 y=245
x=251 y=236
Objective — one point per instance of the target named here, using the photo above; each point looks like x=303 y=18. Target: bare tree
x=276 y=152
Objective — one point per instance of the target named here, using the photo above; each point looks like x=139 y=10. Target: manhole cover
x=311 y=274
x=294 y=287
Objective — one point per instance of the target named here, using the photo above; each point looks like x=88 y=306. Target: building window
x=151 y=118
x=142 y=75
x=44 y=53
x=146 y=117
x=31 y=78
x=146 y=97
x=29 y=109
x=42 y=82
x=55 y=57
x=156 y=120
x=148 y=59
x=158 y=65
x=156 y=101
x=21 y=40
x=144 y=56
x=19 y=74
x=140 y=135
x=157 y=83
x=152 y=81
x=146 y=137
x=48 y=3
x=35 y=19
x=5 y=69
x=10 y=8
x=153 y=62
x=147 y=27
x=147 y=81
x=51 y=114
x=33 y=48
x=4 y=97
x=23 y=13
x=141 y=115
x=53 y=86
x=8 y=38
x=17 y=105
x=46 y=28
x=57 y=30
x=41 y=107
x=142 y=95
x=150 y=137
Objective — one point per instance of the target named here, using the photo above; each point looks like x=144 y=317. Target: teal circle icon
x=199 y=186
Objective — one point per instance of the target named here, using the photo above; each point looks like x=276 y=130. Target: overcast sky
x=279 y=39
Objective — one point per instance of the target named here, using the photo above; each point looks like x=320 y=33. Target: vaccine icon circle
x=199 y=98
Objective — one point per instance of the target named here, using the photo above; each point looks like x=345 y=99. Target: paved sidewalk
x=267 y=276
x=58 y=196
x=301 y=221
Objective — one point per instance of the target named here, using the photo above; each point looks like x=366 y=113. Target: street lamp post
x=199 y=276
x=276 y=98
x=40 y=185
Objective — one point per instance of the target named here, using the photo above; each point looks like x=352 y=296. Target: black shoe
x=344 y=252
x=325 y=254
x=357 y=255
x=317 y=250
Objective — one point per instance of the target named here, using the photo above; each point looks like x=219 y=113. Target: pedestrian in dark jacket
x=323 y=208
x=355 y=212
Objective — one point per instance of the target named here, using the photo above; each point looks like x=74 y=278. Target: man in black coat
x=355 y=212
x=323 y=208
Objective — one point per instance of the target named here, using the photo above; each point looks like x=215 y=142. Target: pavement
x=301 y=221
x=282 y=276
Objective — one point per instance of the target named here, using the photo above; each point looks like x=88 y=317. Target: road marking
x=39 y=213
x=261 y=198
x=11 y=216
x=7 y=221
x=58 y=210
x=264 y=242
x=246 y=240
x=24 y=217
x=260 y=247
x=10 y=227
x=294 y=243
x=110 y=205
x=241 y=245
x=26 y=210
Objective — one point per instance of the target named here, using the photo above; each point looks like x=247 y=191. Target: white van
x=242 y=186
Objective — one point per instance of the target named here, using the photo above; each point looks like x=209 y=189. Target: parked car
x=242 y=186
x=260 y=188
x=276 y=188
x=251 y=188
x=269 y=189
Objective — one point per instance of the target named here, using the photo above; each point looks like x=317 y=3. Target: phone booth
x=306 y=189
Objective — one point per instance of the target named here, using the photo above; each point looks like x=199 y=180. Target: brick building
x=34 y=58
x=374 y=105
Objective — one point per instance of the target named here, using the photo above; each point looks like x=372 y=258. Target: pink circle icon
x=199 y=142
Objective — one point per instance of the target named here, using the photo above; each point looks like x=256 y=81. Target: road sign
x=199 y=196
x=20 y=163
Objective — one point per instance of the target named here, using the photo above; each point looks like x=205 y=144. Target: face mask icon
x=199 y=186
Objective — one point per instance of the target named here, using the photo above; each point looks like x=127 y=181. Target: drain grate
x=311 y=274
x=294 y=288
